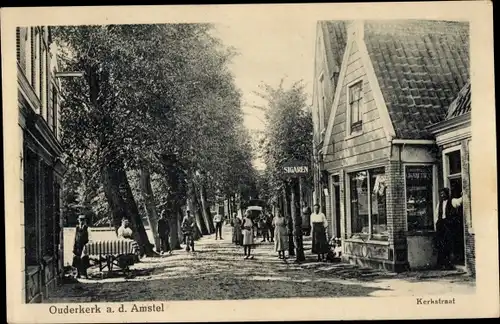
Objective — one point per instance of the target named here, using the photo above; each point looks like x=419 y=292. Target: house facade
x=39 y=161
x=453 y=137
x=379 y=165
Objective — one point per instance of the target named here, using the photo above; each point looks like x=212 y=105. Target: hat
x=81 y=217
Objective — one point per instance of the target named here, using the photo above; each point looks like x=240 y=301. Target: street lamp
x=70 y=74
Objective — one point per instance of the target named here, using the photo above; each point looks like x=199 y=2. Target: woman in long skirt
x=318 y=226
x=280 y=235
x=237 y=236
x=247 y=230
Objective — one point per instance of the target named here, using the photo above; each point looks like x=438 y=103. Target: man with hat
x=82 y=237
x=187 y=227
x=446 y=227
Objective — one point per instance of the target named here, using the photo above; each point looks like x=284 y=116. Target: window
x=378 y=202
x=419 y=197
x=30 y=208
x=368 y=204
x=355 y=113
x=454 y=173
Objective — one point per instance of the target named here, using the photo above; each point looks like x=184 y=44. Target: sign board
x=295 y=168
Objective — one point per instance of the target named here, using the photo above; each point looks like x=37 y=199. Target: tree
x=288 y=136
x=159 y=100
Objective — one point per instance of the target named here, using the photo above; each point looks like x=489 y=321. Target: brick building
x=378 y=85
x=41 y=167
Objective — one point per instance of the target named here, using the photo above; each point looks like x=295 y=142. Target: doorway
x=336 y=230
x=453 y=167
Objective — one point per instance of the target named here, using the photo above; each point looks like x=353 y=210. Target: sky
x=268 y=51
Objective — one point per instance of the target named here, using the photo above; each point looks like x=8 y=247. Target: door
x=335 y=196
x=454 y=179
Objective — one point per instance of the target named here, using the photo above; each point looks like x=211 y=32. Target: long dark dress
x=237 y=235
x=319 y=242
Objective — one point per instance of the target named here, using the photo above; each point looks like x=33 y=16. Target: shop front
x=383 y=210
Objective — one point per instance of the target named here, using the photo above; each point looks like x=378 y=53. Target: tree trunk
x=121 y=201
x=297 y=224
x=149 y=202
x=199 y=214
x=287 y=205
x=193 y=209
x=206 y=211
x=229 y=208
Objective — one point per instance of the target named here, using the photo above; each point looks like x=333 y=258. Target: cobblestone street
x=218 y=271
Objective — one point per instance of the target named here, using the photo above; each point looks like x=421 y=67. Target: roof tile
x=430 y=58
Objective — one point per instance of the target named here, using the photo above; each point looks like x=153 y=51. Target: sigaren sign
x=295 y=168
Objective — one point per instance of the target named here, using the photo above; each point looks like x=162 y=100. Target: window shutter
x=18 y=44
x=47 y=79
x=21 y=37
x=33 y=58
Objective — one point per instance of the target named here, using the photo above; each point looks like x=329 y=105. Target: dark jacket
x=81 y=238
x=163 y=227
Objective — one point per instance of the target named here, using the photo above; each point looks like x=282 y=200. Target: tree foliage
x=288 y=133
x=155 y=97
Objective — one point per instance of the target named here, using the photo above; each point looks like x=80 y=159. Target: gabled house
x=40 y=163
x=331 y=37
x=379 y=162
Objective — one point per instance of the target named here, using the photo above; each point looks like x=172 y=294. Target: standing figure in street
x=124 y=231
x=306 y=220
x=446 y=227
x=318 y=226
x=218 y=225
x=187 y=227
x=270 y=225
x=263 y=227
x=237 y=235
x=280 y=235
x=247 y=230
x=164 y=233
x=82 y=237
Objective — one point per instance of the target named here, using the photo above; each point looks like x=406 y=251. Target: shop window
x=30 y=208
x=355 y=113
x=368 y=204
x=419 y=197
x=378 y=203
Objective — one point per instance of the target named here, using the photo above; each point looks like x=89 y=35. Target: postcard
x=250 y=162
